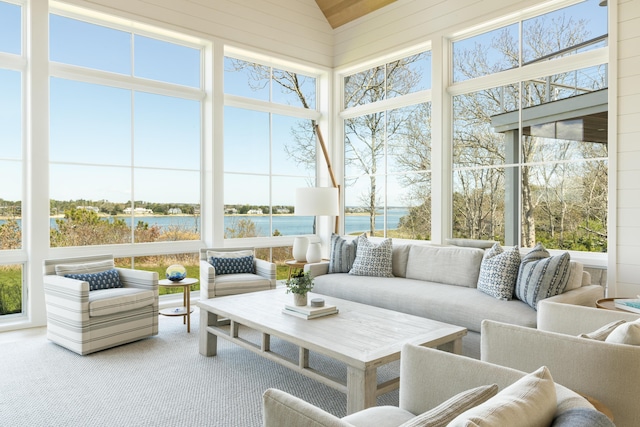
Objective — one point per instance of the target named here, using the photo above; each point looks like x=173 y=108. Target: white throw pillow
x=627 y=333
x=602 y=333
x=529 y=402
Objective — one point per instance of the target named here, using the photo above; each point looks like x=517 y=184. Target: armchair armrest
x=605 y=371
x=207 y=280
x=66 y=298
x=282 y=409
x=267 y=270
x=574 y=319
x=584 y=295
x=141 y=279
x=317 y=268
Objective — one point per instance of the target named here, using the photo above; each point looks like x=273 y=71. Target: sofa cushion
x=449 y=265
x=343 y=253
x=499 y=272
x=575 y=276
x=582 y=417
x=627 y=333
x=603 y=332
x=103 y=280
x=541 y=275
x=373 y=259
x=399 y=258
x=117 y=300
x=234 y=265
x=444 y=413
x=530 y=401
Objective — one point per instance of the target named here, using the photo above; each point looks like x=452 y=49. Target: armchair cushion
x=530 y=401
x=118 y=300
x=235 y=265
x=103 y=280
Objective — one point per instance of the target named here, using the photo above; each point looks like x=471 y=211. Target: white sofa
x=439 y=283
x=606 y=371
x=428 y=377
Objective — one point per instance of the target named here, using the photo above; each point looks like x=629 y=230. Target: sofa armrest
x=574 y=319
x=605 y=371
x=141 y=279
x=282 y=409
x=317 y=268
x=66 y=298
x=207 y=280
x=267 y=270
x=584 y=295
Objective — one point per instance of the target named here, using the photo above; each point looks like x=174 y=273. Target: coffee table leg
x=362 y=386
x=208 y=342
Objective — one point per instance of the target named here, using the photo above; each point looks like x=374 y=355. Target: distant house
x=255 y=212
x=138 y=211
x=175 y=211
x=231 y=211
x=88 y=208
x=282 y=211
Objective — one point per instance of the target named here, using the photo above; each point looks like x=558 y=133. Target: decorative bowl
x=176 y=272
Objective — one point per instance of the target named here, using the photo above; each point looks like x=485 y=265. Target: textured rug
x=160 y=381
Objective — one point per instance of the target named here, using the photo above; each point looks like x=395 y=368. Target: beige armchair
x=86 y=321
x=605 y=371
x=212 y=285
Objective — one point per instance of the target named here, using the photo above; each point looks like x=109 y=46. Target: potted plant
x=299 y=284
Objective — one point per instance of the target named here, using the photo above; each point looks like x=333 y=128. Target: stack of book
x=308 y=312
x=628 y=304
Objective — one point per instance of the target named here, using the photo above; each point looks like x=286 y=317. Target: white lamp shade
x=314 y=201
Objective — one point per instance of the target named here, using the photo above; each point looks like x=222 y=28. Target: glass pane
x=160 y=263
x=479 y=204
x=364 y=205
x=483 y=134
x=284 y=222
x=294 y=146
x=408 y=75
x=564 y=85
x=564 y=205
x=409 y=139
x=11 y=285
x=557 y=32
x=11 y=114
x=74 y=42
x=89 y=123
x=83 y=202
x=167 y=132
x=166 y=62
x=413 y=219
x=364 y=144
x=485 y=54
x=11 y=205
x=247 y=79
x=294 y=89
x=246 y=140
x=10 y=28
x=364 y=87
x=246 y=203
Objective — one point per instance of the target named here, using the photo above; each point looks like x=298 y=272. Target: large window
x=125 y=136
x=11 y=159
x=530 y=157
x=269 y=148
x=387 y=149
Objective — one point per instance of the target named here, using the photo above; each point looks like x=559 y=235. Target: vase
x=314 y=252
x=300 y=299
x=300 y=245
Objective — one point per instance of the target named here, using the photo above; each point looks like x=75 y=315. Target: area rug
x=159 y=381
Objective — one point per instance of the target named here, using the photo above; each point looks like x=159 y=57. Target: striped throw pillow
x=343 y=253
x=541 y=275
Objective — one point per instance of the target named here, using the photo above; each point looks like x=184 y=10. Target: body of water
x=287 y=225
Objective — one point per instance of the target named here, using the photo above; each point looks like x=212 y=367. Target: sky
x=92 y=124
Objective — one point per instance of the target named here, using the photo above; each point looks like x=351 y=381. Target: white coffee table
x=361 y=336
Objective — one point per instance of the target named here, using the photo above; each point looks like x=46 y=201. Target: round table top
x=609 y=303
x=294 y=263
x=184 y=282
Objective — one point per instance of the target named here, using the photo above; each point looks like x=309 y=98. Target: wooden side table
x=610 y=304
x=292 y=263
x=186 y=310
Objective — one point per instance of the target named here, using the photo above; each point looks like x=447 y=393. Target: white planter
x=300 y=246
x=299 y=299
x=314 y=252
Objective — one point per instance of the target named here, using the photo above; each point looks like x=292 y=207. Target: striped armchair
x=85 y=320
x=212 y=285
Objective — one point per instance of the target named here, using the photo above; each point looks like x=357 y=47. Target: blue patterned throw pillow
x=103 y=280
x=541 y=275
x=232 y=265
x=343 y=253
x=373 y=260
x=499 y=272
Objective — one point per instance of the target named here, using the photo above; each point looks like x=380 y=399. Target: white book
x=308 y=316
x=308 y=310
